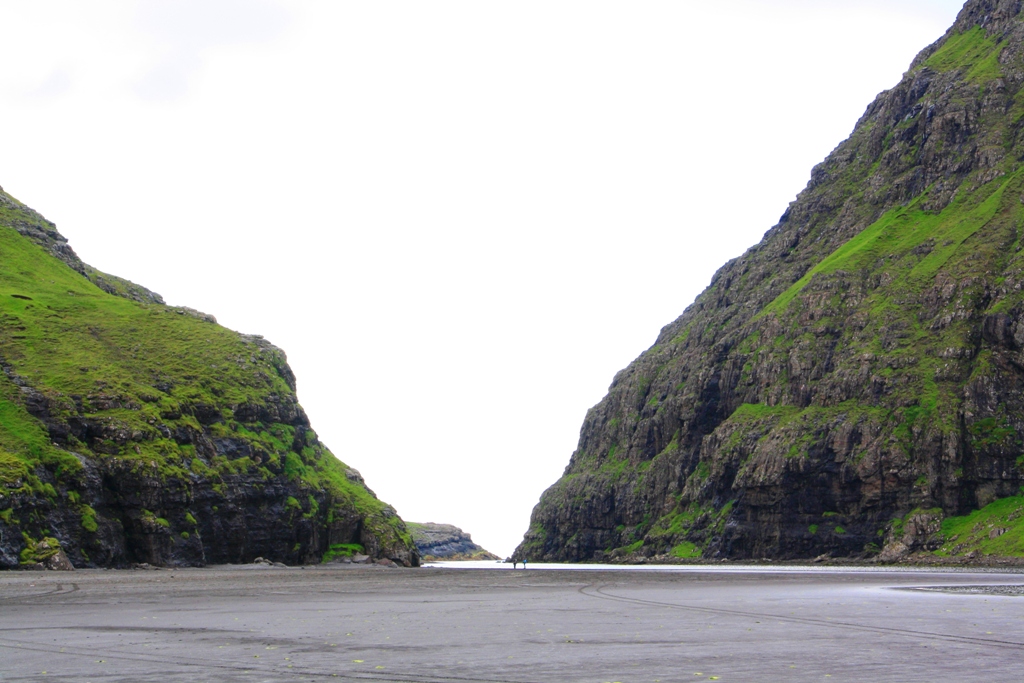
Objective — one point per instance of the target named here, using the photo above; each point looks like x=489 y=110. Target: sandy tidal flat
x=455 y=625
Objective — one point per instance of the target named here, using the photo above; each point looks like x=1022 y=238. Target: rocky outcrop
x=446 y=542
x=45 y=554
x=863 y=361
x=921 y=531
x=134 y=433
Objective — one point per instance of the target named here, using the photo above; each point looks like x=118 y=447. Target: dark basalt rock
x=860 y=367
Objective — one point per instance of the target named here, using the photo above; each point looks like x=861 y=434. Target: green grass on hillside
x=135 y=369
x=972 y=51
x=128 y=365
x=903 y=229
x=996 y=529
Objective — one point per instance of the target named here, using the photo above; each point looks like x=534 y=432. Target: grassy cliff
x=132 y=431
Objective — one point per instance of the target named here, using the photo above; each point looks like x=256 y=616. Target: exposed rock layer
x=860 y=367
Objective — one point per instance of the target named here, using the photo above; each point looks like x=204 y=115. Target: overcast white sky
x=459 y=219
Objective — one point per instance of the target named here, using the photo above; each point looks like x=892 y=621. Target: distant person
x=515 y=564
x=524 y=563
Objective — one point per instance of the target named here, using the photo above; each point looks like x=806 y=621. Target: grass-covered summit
x=854 y=384
x=132 y=431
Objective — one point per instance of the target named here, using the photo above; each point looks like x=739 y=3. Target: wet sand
x=450 y=625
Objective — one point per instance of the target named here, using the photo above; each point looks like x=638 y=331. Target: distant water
x=721 y=568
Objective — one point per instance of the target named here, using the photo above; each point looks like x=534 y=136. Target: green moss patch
x=89 y=519
x=339 y=550
x=686 y=550
x=632 y=547
x=12 y=469
x=678 y=522
x=39 y=551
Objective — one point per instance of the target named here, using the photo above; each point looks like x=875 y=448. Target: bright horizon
x=459 y=220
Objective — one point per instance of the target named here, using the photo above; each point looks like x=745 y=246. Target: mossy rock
x=39 y=552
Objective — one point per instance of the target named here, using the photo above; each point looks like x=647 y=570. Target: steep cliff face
x=132 y=432
x=857 y=376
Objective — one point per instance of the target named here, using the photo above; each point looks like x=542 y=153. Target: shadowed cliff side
x=135 y=432
x=853 y=384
